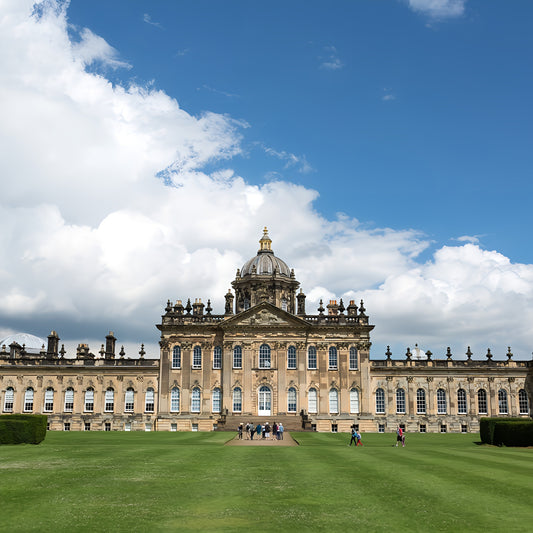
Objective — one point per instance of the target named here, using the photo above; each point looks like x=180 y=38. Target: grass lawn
x=98 y=481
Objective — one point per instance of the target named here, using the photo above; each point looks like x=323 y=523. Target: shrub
x=20 y=429
x=508 y=431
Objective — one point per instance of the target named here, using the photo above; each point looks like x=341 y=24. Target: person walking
x=258 y=431
x=252 y=431
x=280 y=430
x=399 y=435
x=240 y=431
x=354 y=436
x=359 y=441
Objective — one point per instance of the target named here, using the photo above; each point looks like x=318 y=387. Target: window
x=502 y=402
x=49 y=399
x=216 y=400
x=312 y=401
x=400 y=401
x=66 y=426
x=69 y=400
x=127 y=426
x=523 y=402
x=334 y=428
x=175 y=400
x=464 y=428
x=381 y=428
x=217 y=357
x=264 y=356
x=380 y=401
x=420 y=401
x=237 y=400
x=291 y=357
x=149 y=400
x=443 y=428
x=246 y=303
x=461 y=402
x=197 y=357
x=354 y=401
x=176 y=357
x=422 y=428
x=194 y=427
x=107 y=426
x=311 y=358
x=441 y=401
x=291 y=400
x=9 y=400
x=333 y=401
x=87 y=426
x=482 y=401
x=284 y=304
x=237 y=357
x=173 y=427
x=148 y=427
x=353 y=358
x=129 y=400
x=195 y=400
x=89 y=400
x=109 y=400
x=333 y=358
x=28 y=400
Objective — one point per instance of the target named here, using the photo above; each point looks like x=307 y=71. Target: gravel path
x=287 y=441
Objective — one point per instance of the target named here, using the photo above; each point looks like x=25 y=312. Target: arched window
x=69 y=400
x=28 y=399
x=291 y=400
x=291 y=357
x=49 y=399
x=9 y=400
x=441 y=402
x=237 y=357
x=461 y=402
x=149 y=400
x=482 y=402
x=246 y=303
x=312 y=401
x=354 y=401
x=380 y=401
x=353 y=358
x=237 y=400
x=264 y=356
x=216 y=400
x=284 y=304
x=400 y=401
x=217 y=357
x=175 y=400
x=109 y=400
x=129 y=400
x=197 y=357
x=502 y=402
x=420 y=401
x=311 y=358
x=333 y=401
x=176 y=357
x=89 y=400
x=195 y=400
x=523 y=402
x=332 y=358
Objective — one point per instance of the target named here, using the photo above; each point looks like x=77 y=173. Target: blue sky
x=386 y=145
x=397 y=118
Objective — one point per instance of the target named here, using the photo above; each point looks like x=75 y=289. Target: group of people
x=356 y=437
x=400 y=436
x=261 y=431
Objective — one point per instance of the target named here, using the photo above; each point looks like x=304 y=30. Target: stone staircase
x=293 y=422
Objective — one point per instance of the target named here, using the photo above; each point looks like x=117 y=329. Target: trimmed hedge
x=506 y=431
x=22 y=429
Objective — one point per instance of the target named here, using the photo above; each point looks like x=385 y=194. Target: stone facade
x=265 y=358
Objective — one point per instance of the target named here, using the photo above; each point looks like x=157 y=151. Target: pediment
x=264 y=314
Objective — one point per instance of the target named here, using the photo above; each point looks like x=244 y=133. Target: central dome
x=265 y=262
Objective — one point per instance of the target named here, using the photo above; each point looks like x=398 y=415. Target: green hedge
x=506 y=431
x=22 y=429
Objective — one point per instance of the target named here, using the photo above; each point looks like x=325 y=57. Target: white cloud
x=93 y=241
x=331 y=60
x=148 y=19
x=438 y=8
x=291 y=160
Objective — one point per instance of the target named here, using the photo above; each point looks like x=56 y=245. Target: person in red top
x=399 y=436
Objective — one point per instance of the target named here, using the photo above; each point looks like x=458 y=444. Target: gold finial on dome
x=265 y=241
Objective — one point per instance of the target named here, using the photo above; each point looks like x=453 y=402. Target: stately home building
x=264 y=359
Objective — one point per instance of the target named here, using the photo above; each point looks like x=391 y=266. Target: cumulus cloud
x=331 y=60
x=107 y=210
x=438 y=8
